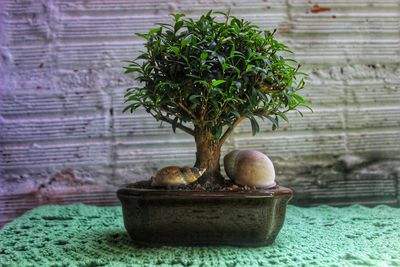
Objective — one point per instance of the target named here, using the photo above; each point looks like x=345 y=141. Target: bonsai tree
x=206 y=76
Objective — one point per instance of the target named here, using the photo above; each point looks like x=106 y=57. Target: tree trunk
x=207 y=156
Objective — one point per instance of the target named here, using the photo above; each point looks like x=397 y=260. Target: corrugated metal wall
x=63 y=137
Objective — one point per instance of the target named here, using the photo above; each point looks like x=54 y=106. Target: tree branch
x=187 y=111
x=230 y=130
x=170 y=121
x=167 y=110
x=180 y=126
x=221 y=111
x=266 y=88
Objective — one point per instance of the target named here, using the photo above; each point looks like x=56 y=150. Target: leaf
x=232 y=53
x=126 y=108
x=263 y=96
x=132 y=98
x=298 y=99
x=283 y=116
x=131 y=107
x=177 y=16
x=202 y=82
x=154 y=30
x=143 y=56
x=175 y=50
x=204 y=55
x=178 y=25
x=174 y=124
x=193 y=98
x=165 y=25
x=249 y=67
x=276 y=125
x=261 y=57
x=221 y=13
x=221 y=59
x=129 y=70
x=129 y=92
x=273 y=120
x=300 y=85
x=306 y=106
x=224 y=66
x=301 y=114
x=185 y=42
x=255 y=128
x=217 y=82
x=186 y=59
x=217 y=132
x=194 y=76
x=236 y=113
x=209 y=13
x=142 y=35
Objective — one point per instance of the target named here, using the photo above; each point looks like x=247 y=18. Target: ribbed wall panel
x=61 y=97
x=45 y=155
x=45 y=129
x=49 y=103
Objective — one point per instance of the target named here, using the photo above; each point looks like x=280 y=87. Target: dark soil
x=196 y=186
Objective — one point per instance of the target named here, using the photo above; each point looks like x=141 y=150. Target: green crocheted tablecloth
x=80 y=235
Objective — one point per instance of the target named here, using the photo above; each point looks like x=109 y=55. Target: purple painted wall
x=63 y=137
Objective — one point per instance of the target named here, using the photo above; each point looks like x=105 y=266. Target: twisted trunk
x=208 y=155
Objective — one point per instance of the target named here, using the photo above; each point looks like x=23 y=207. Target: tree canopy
x=213 y=73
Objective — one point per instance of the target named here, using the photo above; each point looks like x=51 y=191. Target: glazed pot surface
x=175 y=217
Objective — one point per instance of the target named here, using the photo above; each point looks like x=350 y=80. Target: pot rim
x=128 y=190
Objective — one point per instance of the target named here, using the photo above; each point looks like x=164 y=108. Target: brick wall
x=63 y=137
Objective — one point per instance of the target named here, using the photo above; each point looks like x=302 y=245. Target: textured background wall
x=63 y=137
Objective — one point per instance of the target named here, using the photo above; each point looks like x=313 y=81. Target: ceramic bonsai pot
x=172 y=217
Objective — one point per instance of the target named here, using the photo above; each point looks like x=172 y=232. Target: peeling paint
x=319 y=9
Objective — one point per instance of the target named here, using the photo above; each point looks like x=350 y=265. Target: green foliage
x=212 y=73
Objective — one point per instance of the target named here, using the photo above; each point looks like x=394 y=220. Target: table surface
x=81 y=235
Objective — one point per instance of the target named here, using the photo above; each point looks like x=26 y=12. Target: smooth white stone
x=250 y=167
